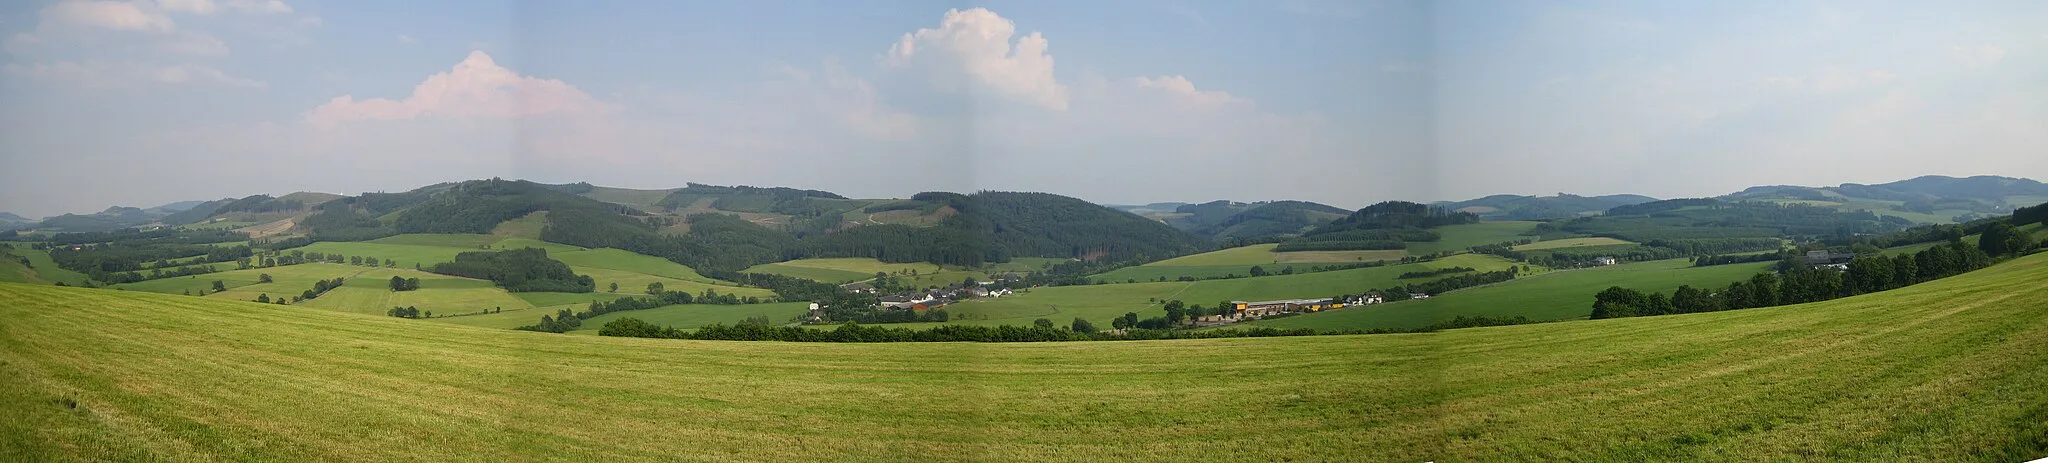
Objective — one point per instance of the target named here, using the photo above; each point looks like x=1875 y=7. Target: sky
x=146 y=102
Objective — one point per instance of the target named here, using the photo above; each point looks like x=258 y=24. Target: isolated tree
x=1119 y=323
x=397 y=283
x=219 y=286
x=1130 y=319
x=1258 y=271
x=1082 y=326
x=263 y=298
x=1042 y=323
x=615 y=287
x=1176 y=311
x=656 y=288
x=263 y=278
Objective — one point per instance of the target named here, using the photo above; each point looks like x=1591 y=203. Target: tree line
x=853 y=332
x=1796 y=282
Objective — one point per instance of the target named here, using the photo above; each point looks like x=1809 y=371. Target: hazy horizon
x=143 y=103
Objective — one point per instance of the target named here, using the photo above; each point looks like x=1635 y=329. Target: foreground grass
x=1953 y=370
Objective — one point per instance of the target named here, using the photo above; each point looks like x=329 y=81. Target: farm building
x=1264 y=308
x=1832 y=259
x=857 y=287
x=1605 y=260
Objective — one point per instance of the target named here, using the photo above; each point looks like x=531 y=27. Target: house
x=1418 y=295
x=859 y=287
x=1829 y=259
x=817 y=313
x=1605 y=261
x=895 y=298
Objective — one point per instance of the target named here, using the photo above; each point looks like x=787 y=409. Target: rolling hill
x=1926 y=199
x=1516 y=207
x=1952 y=370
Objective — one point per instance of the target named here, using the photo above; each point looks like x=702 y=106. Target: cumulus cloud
x=476 y=87
x=1183 y=91
x=106 y=15
x=974 y=48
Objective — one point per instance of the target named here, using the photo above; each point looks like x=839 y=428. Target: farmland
x=1572 y=243
x=1239 y=261
x=841 y=270
x=1099 y=303
x=1950 y=370
x=1552 y=296
x=695 y=315
x=1463 y=236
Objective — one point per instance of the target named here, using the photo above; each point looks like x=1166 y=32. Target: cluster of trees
x=1436 y=272
x=885 y=315
x=1795 y=282
x=408 y=312
x=1711 y=260
x=562 y=321
x=480 y=205
x=518 y=270
x=2030 y=215
x=260 y=204
x=1693 y=219
x=319 y=288
x=1384 y=226
x=1702 y=246
x=2002 y=238
x=399 y=283
x=1046 y=331
x=1259 y=271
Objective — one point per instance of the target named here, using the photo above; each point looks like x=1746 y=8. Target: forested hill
x=1515 y=207
x=1224 y=221
x=995 y=226
x=978 y=228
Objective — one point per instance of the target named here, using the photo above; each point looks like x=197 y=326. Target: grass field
x=1460 y=237
x=40 y=269
x=1573 y=243
x=429 y=249
x=696 y=315
x=524 y=227
x=1239 y=261
x=1953 y=370
x=1099 y=303
x=1550 y=296
x=841 y=269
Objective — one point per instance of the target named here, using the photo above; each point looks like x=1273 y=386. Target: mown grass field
x=1953 y=370
x=1461 y=237
x=841 y=269
x=697 y=315
x=1573 y=243
x=40 y=268
x=1100 y=303
x=1559 y=295
x=1239 y=261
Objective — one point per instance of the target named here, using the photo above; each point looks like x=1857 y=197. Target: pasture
x=1561 y=295
x=1952 y=370
x=696 y=315
x=1464 y=236
x=1099 y=303
x=1239 y=261
x=1568 y=243
x=843 y=269
x=40 y=269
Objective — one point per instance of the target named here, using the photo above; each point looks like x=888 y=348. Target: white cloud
x=259 y=6
x=96 y=75
x=189 y=6
x=195 y=74
x=1184 y=92
x=476 y=87
x=106 y=15
x=974 y=47
x=407 y=39
x=1978 y=56
x=194 y=43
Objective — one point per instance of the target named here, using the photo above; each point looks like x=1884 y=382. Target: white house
x=1605 y=260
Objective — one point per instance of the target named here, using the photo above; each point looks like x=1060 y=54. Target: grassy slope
x=1459 y=237
x=840 y=269
x=1239 y=261
x=1573 y=243
x=696 y=315
x=1550 y=296
x=1953 y=370
x=46 y=270
x=1099 y=303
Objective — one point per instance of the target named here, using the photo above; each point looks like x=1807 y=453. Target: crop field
x=630 y=282
x=1952 y=370
x=1239 y=261
x=370 y=293
x=1573 y=243
x=1460 y=237
x=616 y=259
x=696 y=315
x=524 y=227
x=1560 y=295
x=1099 y=303
x=840 y=269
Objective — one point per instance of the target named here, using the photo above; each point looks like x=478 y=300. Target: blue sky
x=145 y=102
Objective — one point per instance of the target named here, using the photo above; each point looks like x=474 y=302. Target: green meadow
x=1239 y=261
x=696 y=315
x=40 y=269
x=1951 y=370
x=1559 y=295
x=1100 y=303
x=841 y=269
x=1573 y=243
x=1464 y=236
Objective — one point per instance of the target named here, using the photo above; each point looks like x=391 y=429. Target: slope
x=1953 y=370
